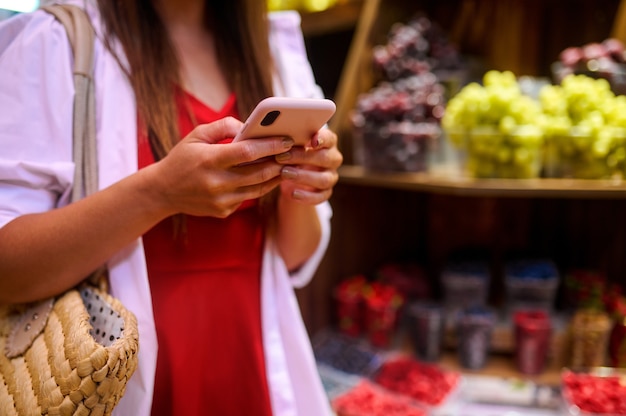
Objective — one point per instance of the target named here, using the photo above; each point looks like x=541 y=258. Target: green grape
x=552 y=101
x=499 y=121
x=504 y=155
x=522 y=156
x=507 y=124
x=504 y=78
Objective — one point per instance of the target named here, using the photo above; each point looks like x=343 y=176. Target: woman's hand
x=310 y=173
x=200 y=176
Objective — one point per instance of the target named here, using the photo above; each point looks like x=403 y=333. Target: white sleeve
x=36 y=100
x=295 y=76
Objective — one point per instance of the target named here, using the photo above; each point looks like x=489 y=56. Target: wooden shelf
x=502 y=366
x=343 y=16
x=464 y=186
x=500 y=363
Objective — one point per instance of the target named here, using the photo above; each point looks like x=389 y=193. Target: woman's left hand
x=310 y=172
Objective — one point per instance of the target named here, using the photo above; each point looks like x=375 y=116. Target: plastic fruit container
x=465 y=284
x=599 y=391
x=397 y=146
x=531 y=284
x=382 y=308
x=580 y=154
x=368 y=399
x=428 y=384
x=533 y=330
x=345 y=353
x=348 y=297
x=589 y=332
x=474 y=330
x=426 y=328
x=487 y=152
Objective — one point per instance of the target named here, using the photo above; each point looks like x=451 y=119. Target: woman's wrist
x=298 y=231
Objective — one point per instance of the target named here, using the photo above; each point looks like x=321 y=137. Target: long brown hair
x=240 y=29
x=241 y=35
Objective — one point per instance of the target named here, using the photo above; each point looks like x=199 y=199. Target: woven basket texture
x=65 y=371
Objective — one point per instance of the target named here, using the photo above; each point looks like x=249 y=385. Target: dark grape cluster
x=604 y=59
x=397 y=122
x=416 y=47
x=418 y=98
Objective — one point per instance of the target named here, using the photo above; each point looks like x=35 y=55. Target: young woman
x=204 y=248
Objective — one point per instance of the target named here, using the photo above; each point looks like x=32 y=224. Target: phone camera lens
x=270 y=118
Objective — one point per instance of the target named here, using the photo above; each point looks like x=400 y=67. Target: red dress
x=205 y=287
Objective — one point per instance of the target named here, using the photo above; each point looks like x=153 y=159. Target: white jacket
x=36 y=171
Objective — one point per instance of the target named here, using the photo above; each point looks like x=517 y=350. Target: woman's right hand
x=203 y=177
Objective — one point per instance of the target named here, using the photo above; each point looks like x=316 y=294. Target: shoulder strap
x=81 y=36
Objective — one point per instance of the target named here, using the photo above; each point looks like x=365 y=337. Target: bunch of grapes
x=416 y=47
x=497 y=126
x=397 y=122
x=585 y=127
x=604 y=60
x=419 y=98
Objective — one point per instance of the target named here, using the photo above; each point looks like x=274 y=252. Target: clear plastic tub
x=487 y=152
x=426 y=328
x=465 y=285
x=531 y=285
x=344 y=353
x=474 y=329
x=578 y=154
x=397 y=146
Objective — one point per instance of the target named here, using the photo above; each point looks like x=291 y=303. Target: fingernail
x=288 y=142
x=289 y=173
x=317 y=142
x=283 y=157
x=297 y=194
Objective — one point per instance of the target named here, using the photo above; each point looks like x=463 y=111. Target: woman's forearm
x=44 y=254
x=298 y=232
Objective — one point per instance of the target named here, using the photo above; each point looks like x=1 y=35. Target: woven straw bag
x=71 y=355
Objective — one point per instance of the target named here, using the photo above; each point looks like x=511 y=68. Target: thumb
x=225 y=128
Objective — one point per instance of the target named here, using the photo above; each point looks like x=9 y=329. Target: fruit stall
x=477 y=259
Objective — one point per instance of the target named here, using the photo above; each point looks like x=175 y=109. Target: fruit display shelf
x=450 y=183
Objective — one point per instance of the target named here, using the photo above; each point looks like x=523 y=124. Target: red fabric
x=206 y=297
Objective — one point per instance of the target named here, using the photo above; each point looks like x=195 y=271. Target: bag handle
x=81 y=35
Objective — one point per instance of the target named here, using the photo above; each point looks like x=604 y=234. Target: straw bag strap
x=81 y=36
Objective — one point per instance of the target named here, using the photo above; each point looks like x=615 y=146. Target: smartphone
x=298 y=118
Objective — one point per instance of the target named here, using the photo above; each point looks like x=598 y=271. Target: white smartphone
x=298 y=118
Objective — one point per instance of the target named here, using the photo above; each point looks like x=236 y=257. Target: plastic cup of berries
x=426 y=328
x=348 y=297
x=533 y=329
x=589 y=332
x=382 y=305
x=474 y=330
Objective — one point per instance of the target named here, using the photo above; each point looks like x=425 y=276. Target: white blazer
x=36 y=169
